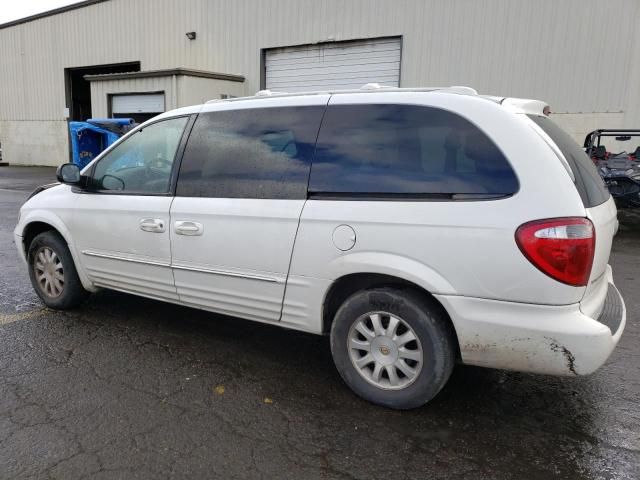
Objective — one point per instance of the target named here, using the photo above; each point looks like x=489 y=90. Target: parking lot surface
x=130 y=388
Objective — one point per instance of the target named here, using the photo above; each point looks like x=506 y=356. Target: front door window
x=143 y=162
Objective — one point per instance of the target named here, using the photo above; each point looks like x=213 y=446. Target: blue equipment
x=90 y=138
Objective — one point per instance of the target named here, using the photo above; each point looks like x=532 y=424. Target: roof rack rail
x=366 y=88
x=268 y=93
x=375 y=86
x=462 y=89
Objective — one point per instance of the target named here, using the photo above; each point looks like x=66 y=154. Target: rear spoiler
x=522 y=105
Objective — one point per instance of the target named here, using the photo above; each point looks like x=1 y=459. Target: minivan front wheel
x=49 y=273
x=393 y=347
x=53 y=273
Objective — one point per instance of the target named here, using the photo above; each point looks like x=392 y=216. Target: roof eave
x=49 y=13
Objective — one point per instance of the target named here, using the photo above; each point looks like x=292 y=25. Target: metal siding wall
x=197 y=90
x=575 y=54
x=632 y=107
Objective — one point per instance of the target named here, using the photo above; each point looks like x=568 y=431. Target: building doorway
x=78 y=90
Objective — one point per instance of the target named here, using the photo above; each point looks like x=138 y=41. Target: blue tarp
x=87 y=141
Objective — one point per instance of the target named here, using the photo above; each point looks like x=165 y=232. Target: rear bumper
x=556 y=340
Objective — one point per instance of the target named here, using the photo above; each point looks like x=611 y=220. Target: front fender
x=50 y=218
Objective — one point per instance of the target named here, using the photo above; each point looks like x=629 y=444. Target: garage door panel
x=334 y=75
x=311 y=56
x=334 y=66
x=310 y=87
x=324 y=82
x=387 y=79
x=343 y=59
x=138 y=103
x=356 y=47
x=353 y=65
x=355 y=70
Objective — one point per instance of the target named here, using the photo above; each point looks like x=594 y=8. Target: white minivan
x=417 y=228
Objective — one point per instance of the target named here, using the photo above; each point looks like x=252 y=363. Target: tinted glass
x=406 y=149
x=143 y=162
x=588 y=182
x=253 y=153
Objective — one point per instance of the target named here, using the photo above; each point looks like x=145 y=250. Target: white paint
x=507 y=314
x=54 y=209
x=344 y=237
x=530 y=338
x=111 y=229
x=239 y=265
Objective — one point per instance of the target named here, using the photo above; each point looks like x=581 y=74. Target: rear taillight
x=562 y=248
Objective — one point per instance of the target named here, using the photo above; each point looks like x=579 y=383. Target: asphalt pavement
x=130 y=388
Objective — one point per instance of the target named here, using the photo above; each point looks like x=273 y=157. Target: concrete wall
x=579 y=124
x=581 y=56
x=30 y=142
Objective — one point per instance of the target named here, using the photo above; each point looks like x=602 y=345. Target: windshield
x=614 y=146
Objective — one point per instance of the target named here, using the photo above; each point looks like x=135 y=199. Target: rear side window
x=406 y=150
x=588 y=182
x=250 y=153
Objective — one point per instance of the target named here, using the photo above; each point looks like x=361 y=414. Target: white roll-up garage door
x=143 y=103
x=333 y=66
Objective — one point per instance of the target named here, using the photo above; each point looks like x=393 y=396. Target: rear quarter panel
x=448 y=247
x=605 y=221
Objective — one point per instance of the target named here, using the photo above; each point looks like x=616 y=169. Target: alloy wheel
x=385 y=350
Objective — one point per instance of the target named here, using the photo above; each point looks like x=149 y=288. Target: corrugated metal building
x=104 y=57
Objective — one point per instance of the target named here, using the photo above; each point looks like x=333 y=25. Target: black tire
x=430 y=325
x=72 y=292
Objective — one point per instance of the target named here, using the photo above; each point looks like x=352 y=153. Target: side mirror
x=68 y=173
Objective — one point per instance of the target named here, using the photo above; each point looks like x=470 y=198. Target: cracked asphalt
x=129 y=388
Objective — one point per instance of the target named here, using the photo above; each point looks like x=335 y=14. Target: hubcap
x=49 y=273
x=385 y=350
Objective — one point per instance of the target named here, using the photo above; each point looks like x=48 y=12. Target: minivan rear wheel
x=393 y=347
x=53 y=273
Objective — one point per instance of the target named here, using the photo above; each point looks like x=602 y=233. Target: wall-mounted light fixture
x=191 y=35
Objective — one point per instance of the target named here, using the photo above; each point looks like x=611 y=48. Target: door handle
x=188 y=228
x=153 y=225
